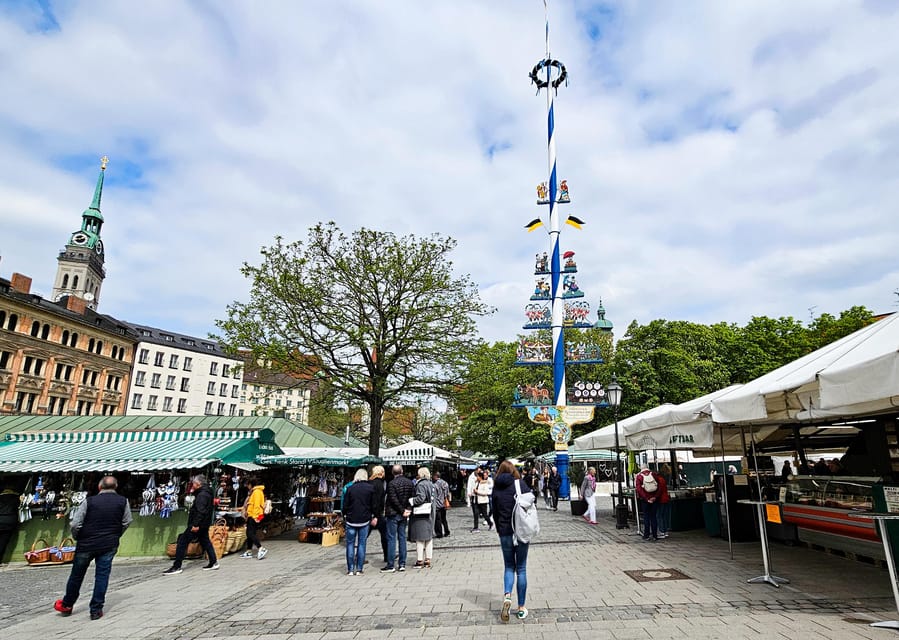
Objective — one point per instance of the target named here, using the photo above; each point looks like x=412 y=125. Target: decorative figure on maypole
x=556 y=408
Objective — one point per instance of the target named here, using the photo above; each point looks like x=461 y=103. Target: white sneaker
x=261 y=554
x=246 y=554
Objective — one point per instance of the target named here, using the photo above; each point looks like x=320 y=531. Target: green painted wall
x=146 y=537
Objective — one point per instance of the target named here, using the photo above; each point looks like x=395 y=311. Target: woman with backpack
x=515 y=552
x=647 y=488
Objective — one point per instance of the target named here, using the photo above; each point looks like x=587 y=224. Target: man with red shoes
x=97 y=525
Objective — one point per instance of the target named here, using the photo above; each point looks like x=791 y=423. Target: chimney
x=76 y=305
x=20 y=283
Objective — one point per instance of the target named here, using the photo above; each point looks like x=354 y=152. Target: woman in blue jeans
x=358 y=514
x=515 y=553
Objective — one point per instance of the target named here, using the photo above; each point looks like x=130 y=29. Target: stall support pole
x=881 y=519
x=773 y=580
x=730 y=542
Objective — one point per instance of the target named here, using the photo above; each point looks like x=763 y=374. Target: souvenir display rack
x=329 y=523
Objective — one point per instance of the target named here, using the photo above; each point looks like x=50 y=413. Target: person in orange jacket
x=254 y=512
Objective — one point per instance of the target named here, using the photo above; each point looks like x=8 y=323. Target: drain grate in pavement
x=657 y=575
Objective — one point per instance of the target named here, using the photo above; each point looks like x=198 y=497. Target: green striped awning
x=131 y=450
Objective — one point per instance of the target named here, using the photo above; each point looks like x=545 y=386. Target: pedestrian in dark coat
x=9 y=517
x=97 y=526
x=199 y=519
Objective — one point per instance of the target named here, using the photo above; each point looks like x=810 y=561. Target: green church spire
x=92 y=220
x=94 y=209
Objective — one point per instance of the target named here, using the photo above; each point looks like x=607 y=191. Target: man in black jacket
x=97 y=525
x=199 y=520
x=399 y=491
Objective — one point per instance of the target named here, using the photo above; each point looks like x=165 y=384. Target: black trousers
x=252 y=538
x=441 y=528
x=202 y=535
x=555 y=493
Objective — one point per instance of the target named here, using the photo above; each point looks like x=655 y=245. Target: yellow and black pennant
x=577 y=223
x=533 y=224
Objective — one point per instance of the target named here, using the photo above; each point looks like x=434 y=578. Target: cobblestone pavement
x=578 y=588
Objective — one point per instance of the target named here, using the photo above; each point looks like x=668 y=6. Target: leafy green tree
x=384 y=316
x=826 y=329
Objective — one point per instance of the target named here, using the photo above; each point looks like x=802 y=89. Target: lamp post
x=613 y=395
x=459 y=465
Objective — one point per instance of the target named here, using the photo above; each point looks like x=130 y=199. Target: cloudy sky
x=730 y=159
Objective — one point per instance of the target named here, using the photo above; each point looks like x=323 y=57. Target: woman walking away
x=515 y=552
x=254 y=512
x=422 y=510
x=379 y=502
x=588 y=493
x=359 y=514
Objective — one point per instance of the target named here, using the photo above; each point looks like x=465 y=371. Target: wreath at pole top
x=540 y=82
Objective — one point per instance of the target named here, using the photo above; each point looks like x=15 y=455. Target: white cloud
x=727 y=163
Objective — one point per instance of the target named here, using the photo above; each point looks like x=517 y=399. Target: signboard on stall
x=891 y=494
x=560 y=419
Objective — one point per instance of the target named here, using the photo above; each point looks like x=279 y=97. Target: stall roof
x=416 y=452
x=143 y=450
x=287 y=432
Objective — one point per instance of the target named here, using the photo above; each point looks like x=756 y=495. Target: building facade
x=267 y=393
x=175 y=374
x=60 y=358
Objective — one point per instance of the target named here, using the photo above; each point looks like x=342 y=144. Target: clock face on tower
x=79 y=238
x=99 y=247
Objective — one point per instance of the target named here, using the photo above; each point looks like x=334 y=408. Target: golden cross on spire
x=103 y=162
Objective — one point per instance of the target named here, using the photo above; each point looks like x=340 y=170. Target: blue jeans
x=515 y=561
x=102 y=569
x=664 y=517
x=396 y=531
x=355 y=536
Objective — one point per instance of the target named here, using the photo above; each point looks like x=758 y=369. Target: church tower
x=80 y=271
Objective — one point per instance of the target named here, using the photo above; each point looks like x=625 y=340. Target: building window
x=167 y=404
x=155 y=380
x=223 y=389
x=113 y=382
x=257 y=388
x=226 y=369
x=290 y=403
x=221 y=410
x=90 y=345
x=108 y=409
x=266 y=402
x=5 y=357
x=235 y=390
x=168 y=338
x=210 y=389
x=182 y=405
x=45 y=332
x=12 y=322
x=159 y=358
x=173 y=361
x=144 y=356
x=139 y=378
x=277 y=402
x=65 y=281
x=188 y=364
x=57 y=406
x=232 y=409
x=151 y=403
x=115 y=352
x=209 y=408
x=185 y=384
x=35 y=329
x=213 y=368
x=65 y=337
x=99 y=350
x=137 y=400
x=85 y=408
x=32 y=366
x=25 y=402
x=240 y=412
x=170 y=383
x=74 y=341
x=191 y=343
x=88 y=377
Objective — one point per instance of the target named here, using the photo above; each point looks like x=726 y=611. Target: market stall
x=56 y=470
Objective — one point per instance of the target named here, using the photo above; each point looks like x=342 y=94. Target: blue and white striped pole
x=558 y=304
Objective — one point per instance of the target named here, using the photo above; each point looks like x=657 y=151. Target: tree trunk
x=374 y=433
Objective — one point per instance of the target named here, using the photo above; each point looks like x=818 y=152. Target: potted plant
x=576 y=473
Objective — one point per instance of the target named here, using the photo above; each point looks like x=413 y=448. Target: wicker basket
x=194 y=550
x=237 y=538
x=38 y=554
x=65 y=552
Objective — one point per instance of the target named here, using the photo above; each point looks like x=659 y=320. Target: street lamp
x=459 y=465
x=613 y=394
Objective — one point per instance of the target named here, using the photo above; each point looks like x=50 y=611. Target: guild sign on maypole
x=557 y=303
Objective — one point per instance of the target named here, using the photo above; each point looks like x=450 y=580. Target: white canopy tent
x=604 y=438
x=418 y=452
x=854 y=376
x=683 y=426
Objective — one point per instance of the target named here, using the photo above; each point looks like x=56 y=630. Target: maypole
x=565 y=309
